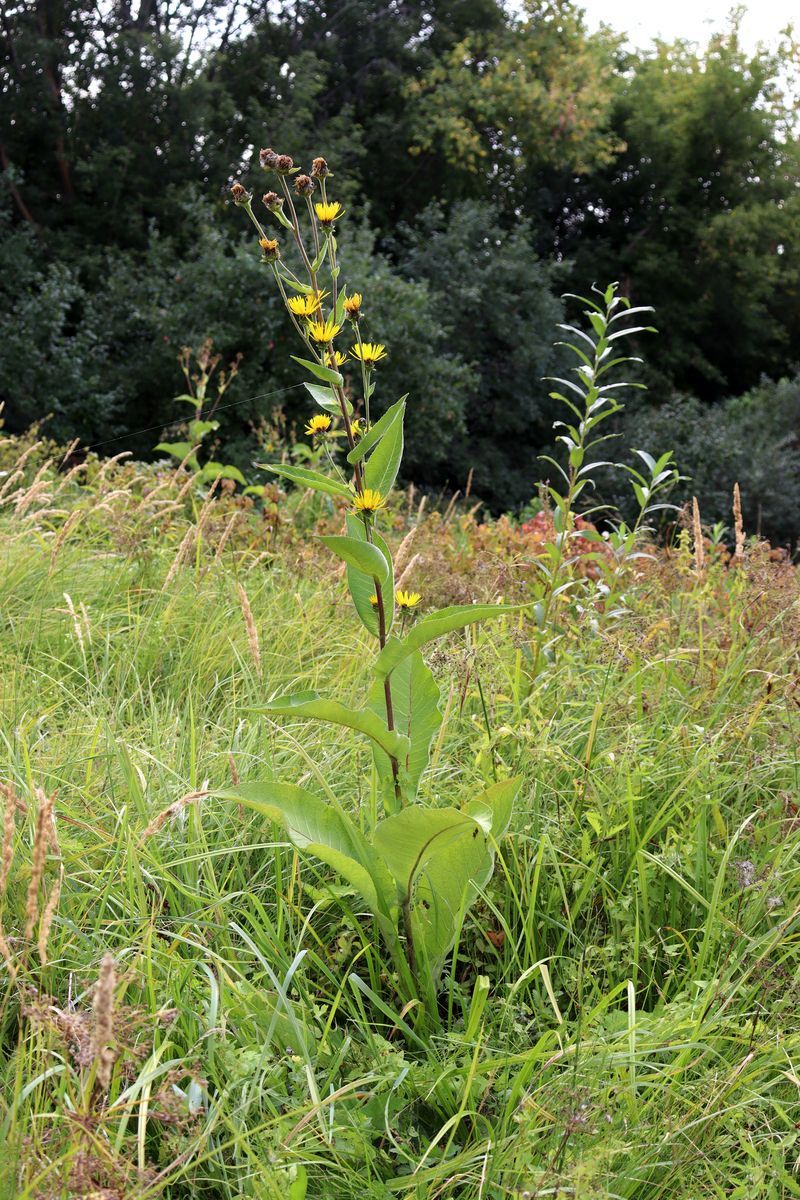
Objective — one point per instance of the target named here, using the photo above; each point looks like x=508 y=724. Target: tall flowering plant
x=419 y=868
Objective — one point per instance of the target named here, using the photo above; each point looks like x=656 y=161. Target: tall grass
x=620 y=1017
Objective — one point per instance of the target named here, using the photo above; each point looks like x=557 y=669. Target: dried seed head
x=9 y=798
x=48 y=916
x=697 y=538
x=304 y=185
x=103 y=1046
x=272 y=201
x=319 y=168
x=738 y=524
x=250 y=626
x=268 y=159
x=284 y=164
x=240 y=195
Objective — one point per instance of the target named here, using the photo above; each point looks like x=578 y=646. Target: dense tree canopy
x=490 y=158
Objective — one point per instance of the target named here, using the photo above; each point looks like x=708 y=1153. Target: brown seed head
x=268 y=159
x=319 y=168
x=304 y=185
x=240 y=195
x=104 y=1051
x=284 y=164
x=272 y=201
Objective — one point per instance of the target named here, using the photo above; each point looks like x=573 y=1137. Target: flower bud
x=303 y=185
x=319 y=168
x=272 y=201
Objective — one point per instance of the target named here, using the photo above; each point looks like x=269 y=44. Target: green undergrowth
x=620 y=1014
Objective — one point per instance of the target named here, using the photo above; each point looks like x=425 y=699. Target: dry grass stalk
x=48 y=915
x=697 y=538
x=193 y=534
x=173 y=809
x=103 y=1042
x=66 y=529
x=76 y=622
x=403 y=549
x=109 y=463
x=738 y=524
x=7 y=956
x=233 y=770
x=7 y=855
x=223 y=541
x=41 y=843
x=250 y=626
x=412 y=564
x=18 y=472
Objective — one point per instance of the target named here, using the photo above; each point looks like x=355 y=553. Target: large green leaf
x=415 y=706
x=363 y=555
x=362 y=587
x=324 y=373
x=376 y=432
x=434 y=626
x=309 y=704
x=326 y=399
x=408 y=840
x=310 y=479
x=383 y=464
x=327 y=834
x=492 y=808
x=218 y=470
x=181 y=451
x=446 y=888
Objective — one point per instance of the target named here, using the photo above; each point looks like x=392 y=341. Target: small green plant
x=591 y=401
x=419 y=868
x=198 y=376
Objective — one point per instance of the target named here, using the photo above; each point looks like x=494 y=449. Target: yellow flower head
x=324 y=331
x=358 y=427
x=373 y=600
x=368 y=353
x=336 y=359
x=328 y=213
x=318 y=425
x=368 y=501
x=305 y=306
x=270 y=249
x=407 y=599
x=352 y=306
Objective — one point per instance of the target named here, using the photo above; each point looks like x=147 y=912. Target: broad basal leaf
x=327 y=834
x=409 y=840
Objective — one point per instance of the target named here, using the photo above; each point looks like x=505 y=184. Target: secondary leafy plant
x=419 y=868
x=202 y=423
x=591 y=400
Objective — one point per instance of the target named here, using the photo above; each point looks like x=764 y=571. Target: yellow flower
x=368 y=353
x=373 y=600
x=358 y=427
x=318 y=425
x=324 y=331
x=407 y=599
x=305 y=306
x=352 y=306
x=270 y=248
x=328 y=213
x=336 y=359
x=369 y=501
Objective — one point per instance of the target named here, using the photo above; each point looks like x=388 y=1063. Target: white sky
x=644 y=20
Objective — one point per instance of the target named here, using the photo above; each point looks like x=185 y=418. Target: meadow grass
x=621 y=1014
